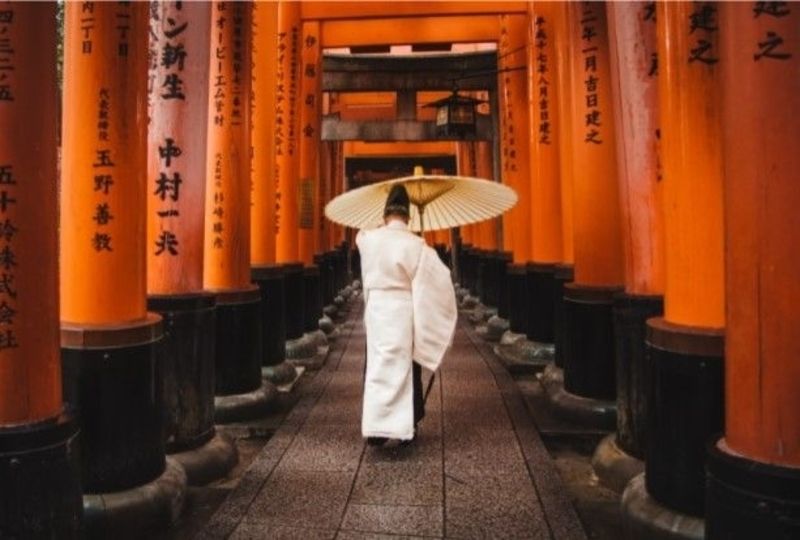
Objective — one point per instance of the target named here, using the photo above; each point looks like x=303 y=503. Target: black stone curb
x=560 y=515
x=236 y=505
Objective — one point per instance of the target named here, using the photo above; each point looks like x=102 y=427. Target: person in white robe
x=410 y=317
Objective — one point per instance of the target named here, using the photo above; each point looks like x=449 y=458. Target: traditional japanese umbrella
x=437 y=202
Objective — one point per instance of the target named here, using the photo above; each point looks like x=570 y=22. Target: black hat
x=397 y=202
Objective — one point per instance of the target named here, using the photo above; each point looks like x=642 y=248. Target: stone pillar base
x=247 y=406
x=482 y=313
x=330 y=310
x=552 y=378
x=301 y=348
x=521 y=355
x=149 y=507
x=644 y=518
x=587 y=412
x=613 y=466
x=40 y=479
x=326 y=325
x=209 y=462
x=283 y=373
x=469 y=302
x=749 y=499
x=496 y=326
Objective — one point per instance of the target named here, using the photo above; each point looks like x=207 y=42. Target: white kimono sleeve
x=435 y=310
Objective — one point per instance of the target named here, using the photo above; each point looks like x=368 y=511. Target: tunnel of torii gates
x=164 y=262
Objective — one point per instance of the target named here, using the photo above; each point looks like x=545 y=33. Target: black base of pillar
x=40 y=479
x=295 y=300
x=541 y=302
x=209 y=462
x=685 y=409
x=748 y=499
x=270 y=280
x=631 y=313
x=613 y=466
x=238 y=342
x=644 y=518
x=139 y=512
x=517 y=275
x=312 y=296
x=188 y=368
x=588 y=413
x=245 y=405
x=113 y=381
x=562 y=275
x=589 y=362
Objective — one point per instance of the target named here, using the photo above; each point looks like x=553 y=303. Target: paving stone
x=480 y=451
x=259 y=530
x=328 y=448
x=398 y=483
x=353 y=535
x=414 y=520
x=312 y=498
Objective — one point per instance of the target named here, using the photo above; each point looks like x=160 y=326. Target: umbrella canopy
x=437 y=202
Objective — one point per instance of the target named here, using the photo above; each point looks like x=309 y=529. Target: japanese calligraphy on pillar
x=507 y=120
x=87 y=26
x=590 y=51
x=167 y=64
x=541 y=29
x=702 y=29
x=651 y=53
x=309 y=116
x=771 y=46
x=8 y=260
x=103 y=180
x=7 y=64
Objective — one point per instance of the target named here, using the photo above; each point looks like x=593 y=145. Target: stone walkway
x=478 y=468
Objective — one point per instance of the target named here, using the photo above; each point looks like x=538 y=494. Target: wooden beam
x=334 y=129
x=352 y=73
x=408 y=31
x=327 y=11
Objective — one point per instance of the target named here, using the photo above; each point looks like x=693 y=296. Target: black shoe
x=411 y=440
x=376 y=441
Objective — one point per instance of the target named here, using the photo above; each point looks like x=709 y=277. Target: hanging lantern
x=456 y=115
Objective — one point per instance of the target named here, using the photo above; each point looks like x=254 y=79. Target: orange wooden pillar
x=226 y=263
x=685 y=346
x=633 y=46
x=310 y=106
x=265 y=272
x=545 y=204
x=263 y=216
x=589 y=356
x=287 y=161
x=176 y=166
x=561 y=83
x=287 y=127
x=515 y=170
x=38 y=461
x=110 y=344
x=752 y=482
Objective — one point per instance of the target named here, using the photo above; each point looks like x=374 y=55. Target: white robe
x=410 y=313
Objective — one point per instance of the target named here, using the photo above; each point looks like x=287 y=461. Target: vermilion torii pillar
x=546 y=226
x=564 y=272
x=309 y=108
x=685 y=346
x=226 y=268
x=263 y=221
x=589 y=356
x=287 y=161
x=39 y=468
x=515 y=169
x=754 y=471
x=176 y=165
x=110 y=343
x=634 y=70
